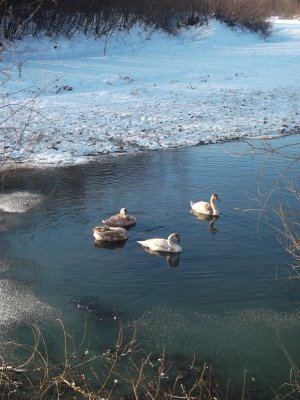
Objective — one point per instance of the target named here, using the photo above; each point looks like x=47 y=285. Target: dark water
x=226 y=297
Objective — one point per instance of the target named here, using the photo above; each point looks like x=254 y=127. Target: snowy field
x=68 y=101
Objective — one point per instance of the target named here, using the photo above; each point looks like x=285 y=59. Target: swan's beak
x=218 y=198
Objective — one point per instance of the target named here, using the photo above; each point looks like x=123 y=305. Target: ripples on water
x=221 y=297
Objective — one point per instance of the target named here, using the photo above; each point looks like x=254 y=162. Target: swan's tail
x=191 y=203
x=143 y=243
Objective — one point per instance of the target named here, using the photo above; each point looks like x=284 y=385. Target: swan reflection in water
x=109 y=245
x=172 y=259
x=210 y=218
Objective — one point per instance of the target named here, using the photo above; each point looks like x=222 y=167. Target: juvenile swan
x=163 y=245
x=206 y=208
x=122 y=219
x=110 y=234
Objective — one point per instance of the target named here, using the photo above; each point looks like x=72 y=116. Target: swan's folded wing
x=119 y=220
x=114 y=221
x=155 y=244
x=205 y=205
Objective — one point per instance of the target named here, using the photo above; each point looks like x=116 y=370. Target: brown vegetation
x=288 y=227
x=124 y=371
x=289 y=233
x=102 y=17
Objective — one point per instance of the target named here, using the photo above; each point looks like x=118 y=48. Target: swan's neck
x=214 y=207
x=171 y=244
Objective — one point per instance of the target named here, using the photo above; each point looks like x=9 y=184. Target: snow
x=146 y=90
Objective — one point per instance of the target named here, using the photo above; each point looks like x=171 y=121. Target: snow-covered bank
x=147 y=90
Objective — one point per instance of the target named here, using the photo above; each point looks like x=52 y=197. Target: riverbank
x=67 y=102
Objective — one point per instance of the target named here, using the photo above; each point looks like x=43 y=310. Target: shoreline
x=98 y=158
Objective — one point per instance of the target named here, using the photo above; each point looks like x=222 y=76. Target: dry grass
x=289 y=237
x=124 y=371
x=288 y=230
x=290 y=389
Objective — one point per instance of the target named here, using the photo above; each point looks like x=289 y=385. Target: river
x=226 y=298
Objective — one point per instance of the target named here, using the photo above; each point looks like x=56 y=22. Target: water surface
x=225 y=298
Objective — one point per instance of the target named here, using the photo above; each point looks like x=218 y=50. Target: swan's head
x=123 y=211
x=214 y=196
x=175 y=236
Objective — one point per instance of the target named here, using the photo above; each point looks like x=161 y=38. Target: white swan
x=206 y=208
x=163 y=245
x=110 y=234
x=122 y=219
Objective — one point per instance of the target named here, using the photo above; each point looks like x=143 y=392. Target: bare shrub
x=284 y=8
x=15 y=139
x=289 y=233
x=288 y=228
x=102 y=17
x=243 y=14
x=290 y=239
